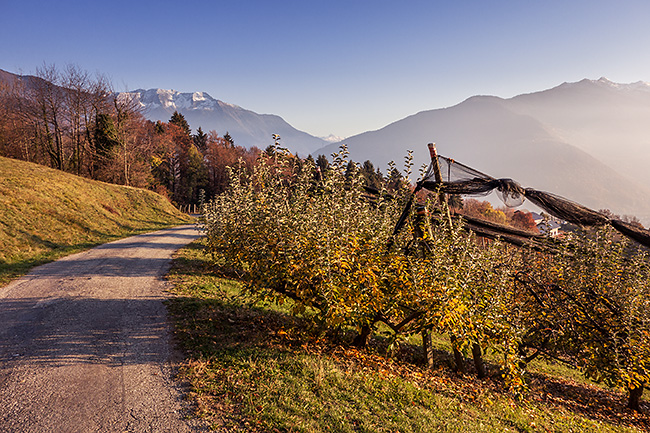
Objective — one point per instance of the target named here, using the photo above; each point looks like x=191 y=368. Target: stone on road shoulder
x=85 y=342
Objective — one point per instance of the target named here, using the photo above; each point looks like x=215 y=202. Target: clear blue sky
x=341 y=67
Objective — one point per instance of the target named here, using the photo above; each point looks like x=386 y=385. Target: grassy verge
x=253 y=367
x=46 y=214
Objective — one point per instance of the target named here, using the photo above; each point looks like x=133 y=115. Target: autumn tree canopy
x=73 y=121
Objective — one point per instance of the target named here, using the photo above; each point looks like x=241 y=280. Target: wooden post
x=442 y=197
x=426 y=335
x=476 y=349
x=433 y=153
x=428 y=347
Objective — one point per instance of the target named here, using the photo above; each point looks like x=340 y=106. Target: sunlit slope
x=46 y=213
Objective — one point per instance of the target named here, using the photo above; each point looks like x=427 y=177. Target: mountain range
x=246 y=127
x=588 y=141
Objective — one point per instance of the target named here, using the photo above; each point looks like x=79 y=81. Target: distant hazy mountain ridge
x=246 y=127
x=588 y=141
x=639 y=85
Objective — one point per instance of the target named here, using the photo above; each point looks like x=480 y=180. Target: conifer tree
x=200 y=139
x=229 y=139
x=179 y=120
x=322 y=162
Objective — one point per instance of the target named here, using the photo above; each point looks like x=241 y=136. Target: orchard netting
x=459 y=179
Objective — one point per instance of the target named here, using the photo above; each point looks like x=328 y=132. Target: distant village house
x=547 y=225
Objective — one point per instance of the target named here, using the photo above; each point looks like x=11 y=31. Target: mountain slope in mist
x=608 y=120
x=527 y=139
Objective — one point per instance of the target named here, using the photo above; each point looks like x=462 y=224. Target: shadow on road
x=61 y=331
x=101 y=267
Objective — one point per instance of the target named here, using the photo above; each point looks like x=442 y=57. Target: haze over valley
x=588 y=141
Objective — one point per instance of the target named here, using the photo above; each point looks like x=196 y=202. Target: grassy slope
x=45 y=214
x=253 y=368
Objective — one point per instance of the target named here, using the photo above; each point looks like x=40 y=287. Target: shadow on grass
x=591 y=401
x=214 y=327
x=236 y=335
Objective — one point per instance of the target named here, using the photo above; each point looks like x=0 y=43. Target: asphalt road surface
x=85 y=342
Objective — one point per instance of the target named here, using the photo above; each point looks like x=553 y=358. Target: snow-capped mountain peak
x=638 y=85
x=200 y=109
x=199 y=96
x=174 y=100
x=332 y=138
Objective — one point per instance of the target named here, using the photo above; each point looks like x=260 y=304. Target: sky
x=333 y=67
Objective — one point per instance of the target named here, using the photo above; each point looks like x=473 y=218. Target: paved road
x=85 y=343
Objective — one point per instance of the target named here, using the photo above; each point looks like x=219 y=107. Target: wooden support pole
x=476 y=349
x=428 y=347
x=442 y=197
x=433 y=153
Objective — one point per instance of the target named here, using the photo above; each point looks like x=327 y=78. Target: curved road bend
x=85 y=343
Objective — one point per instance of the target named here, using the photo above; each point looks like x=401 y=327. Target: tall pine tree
x=200 y=139
x=179 y=120
x=229 y=139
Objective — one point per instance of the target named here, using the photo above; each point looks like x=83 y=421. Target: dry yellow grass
x=46 y=213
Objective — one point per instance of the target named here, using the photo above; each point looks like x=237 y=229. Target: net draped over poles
x=460 y=179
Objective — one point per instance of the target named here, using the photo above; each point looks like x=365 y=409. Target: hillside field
x=46 y=214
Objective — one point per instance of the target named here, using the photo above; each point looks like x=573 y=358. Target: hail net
x=457 y=178
x=460 y=179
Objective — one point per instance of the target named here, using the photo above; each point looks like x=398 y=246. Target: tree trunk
x=460 y=362
x=458 y=357
x=635 y=398
x=362 y=339
x=478 y=361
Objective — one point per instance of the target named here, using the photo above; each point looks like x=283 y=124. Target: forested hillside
x=73 y=121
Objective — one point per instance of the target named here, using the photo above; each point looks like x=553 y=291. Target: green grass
x=254 y=367
x=46 y=214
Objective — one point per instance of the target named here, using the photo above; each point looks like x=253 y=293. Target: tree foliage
x=315 y=237
x=295 y=229
x=588 y=305
x=72 y=121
